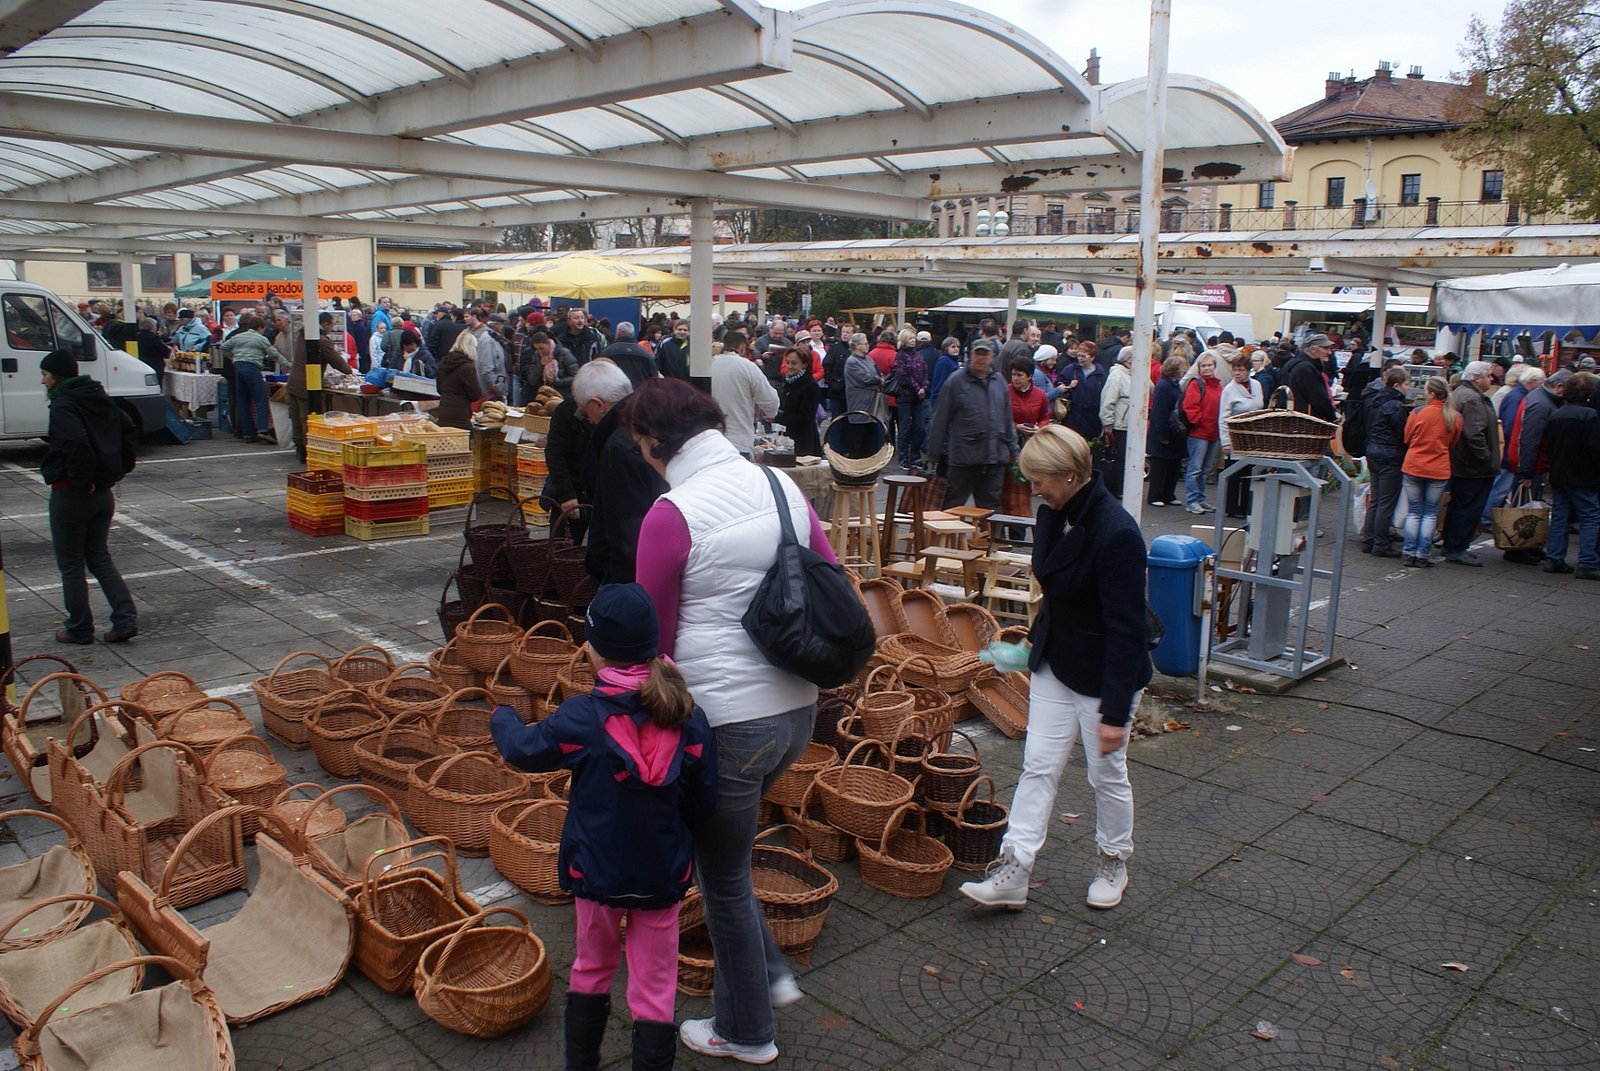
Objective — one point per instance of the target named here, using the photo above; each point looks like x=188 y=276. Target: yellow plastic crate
x=447 y=494
x=318 y=507
x=323 y=460
x=319 y=427
x=449 y=466
x=377 y=457
x=417 y=526
x=437 y=440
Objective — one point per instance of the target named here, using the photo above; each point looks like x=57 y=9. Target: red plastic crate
x=317 y=526
x=316 y=483
x=401 y=510
x=390 y=474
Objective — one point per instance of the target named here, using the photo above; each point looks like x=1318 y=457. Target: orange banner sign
x=288 y=289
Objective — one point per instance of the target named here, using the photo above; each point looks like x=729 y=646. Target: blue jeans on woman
x=252 y=399
x=1422 y=515
x=750 y=756
x=1201 y=453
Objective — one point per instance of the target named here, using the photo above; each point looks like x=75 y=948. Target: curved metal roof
x=321 y=116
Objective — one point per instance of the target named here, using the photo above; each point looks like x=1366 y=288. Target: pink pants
x=652 y=955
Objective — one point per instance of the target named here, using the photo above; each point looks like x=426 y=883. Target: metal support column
x=130 y=314
x=1011 y=309
x=311 y=305
x=1380 y=314
x=700 y=289
x=899 y=307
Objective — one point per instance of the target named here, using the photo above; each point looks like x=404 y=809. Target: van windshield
x=35 y=323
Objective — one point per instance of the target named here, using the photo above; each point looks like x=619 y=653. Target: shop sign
x=1217 y=296
x=287 y=289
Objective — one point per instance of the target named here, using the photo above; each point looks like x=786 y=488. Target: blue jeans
x=1585 y=503
x=750 y=756
x=252 y=399
x=1503 y=481
x=1201 y=453
x=913 y=430
x=1422 y=515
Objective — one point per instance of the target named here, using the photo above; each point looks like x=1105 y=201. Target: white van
x=1178 y=315
x=36 y=322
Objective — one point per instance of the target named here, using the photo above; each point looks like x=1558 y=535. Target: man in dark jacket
x=576 y=336
x=91 y=446
x=672 y=356
x=833 y=372
x=631 y=357
x=1385 y=404
x=972 y=431
x=566 y=453
x=1533 y=453
x=1573 y=434
x=1474 y=460
x=1303 y=374
x=618 y=484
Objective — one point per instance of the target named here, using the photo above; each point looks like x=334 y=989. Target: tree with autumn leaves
x=1532 y=103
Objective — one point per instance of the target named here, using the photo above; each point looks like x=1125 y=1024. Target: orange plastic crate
x=320 y=427
x=325 y=526
x=400 y=509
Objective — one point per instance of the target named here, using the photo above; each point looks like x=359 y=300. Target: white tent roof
x=1559 y=299
x=1348 y=304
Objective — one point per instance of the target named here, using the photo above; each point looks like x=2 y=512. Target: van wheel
x=133 y=415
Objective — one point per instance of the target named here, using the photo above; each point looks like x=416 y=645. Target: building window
x=247 y=259
x=1267 y=195
x=105 y=275
x=1054 y=217
x=384 y=278
x=291 y=254
x=205 y=265
x=158 y=276
x=430 y=278
x=1411 y=189
x=1494 y=186
x=408 y=276
x=1336 y=193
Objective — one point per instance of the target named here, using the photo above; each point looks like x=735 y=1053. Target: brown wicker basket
x=463 y=721
x=206 y=724
x=364 y=667
x=243 y=768
x=576 y=677
x=697 y=965
x=938 y=708
x=849 y=732
x=881 y=597
x=485 y=538
x=385 y=758
x=975 y=827
x=339 y=854
x=530 y=566
x=402 y=909
x=163 y=693
x=902 y=863
x=28 y=982
x=504 y=690
x=953 y=670
x=310 y=818
x=483 y=642
x=25 y=738
x=946 y=774
x=924 y=614
x=1280 y=433
x=455 y=795
x=910 y=742
x=539 y=654
x=286 y=696
x=1002 y=704
x=794 y=892
x=524 y=844
x=972 y=626
x=451 y=671
x=484 y=980
x=884 y=704
x=410 y=690
x=790 y=786
x=860 y=799
x=78 y=771
x=338 y=722
x=61 y=871
x=827 y=843
x=833 y=704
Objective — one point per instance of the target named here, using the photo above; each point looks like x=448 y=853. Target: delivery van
x=36 y=322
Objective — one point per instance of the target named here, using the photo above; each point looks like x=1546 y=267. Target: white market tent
x=1561 y=300
x=1348 y=305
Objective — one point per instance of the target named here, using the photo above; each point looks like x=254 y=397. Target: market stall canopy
x=584 y=278
x=1348 y=304
x=268 y=272
x=1562 y=299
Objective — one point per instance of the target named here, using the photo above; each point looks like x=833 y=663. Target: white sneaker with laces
x=700 y=1035
x=785 y=991
x=1006 y=885
x=1105 y=891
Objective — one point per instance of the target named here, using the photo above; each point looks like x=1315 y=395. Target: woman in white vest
x=704 y=548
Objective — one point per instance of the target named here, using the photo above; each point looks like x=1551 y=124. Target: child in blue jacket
x=643 y=773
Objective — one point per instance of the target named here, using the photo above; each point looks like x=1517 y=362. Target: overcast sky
x=1274 y=53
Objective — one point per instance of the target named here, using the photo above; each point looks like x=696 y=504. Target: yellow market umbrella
x=581 y=277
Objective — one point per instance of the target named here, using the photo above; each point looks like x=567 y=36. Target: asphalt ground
x=1315 y=868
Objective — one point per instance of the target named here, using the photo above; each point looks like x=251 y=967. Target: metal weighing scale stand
x=1275 y=597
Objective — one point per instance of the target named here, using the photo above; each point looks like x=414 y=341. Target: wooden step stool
x=853 y=530
x=952 y=572
x=1009 y=589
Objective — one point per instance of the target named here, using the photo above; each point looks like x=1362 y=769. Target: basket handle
x=933 y=667
x=967 y=799
x=174 y=674
x=20 y=712
x=538 y=627
x=378 y=795
x=564 y=518
x=522 y=806
x=381 y=654
x=11 y=671
x=894 y=675
x=1272 y=403
x=111 y=708
x=888 y=756
x=119 y=772
x=485 y=608
x=430 y=979
x=231 y=814
x=805 y=842
x=405 y=670
x=28 y=1042
x=63 y=898
x=211 y=703
x=916 y=721
x=72 y=834
x=442 y=848
x=291 y=656
x=254 y=742
x=494 y=678
x=486 y=495
x=346 y=694
x=447 y=761
x=423 y=720
x=954 y=732
x=470 y=693
x=896 y=820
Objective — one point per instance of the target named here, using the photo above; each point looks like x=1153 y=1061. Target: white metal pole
x=129 y=313
x=761 y=303
x=310 y=305
x=1380 y=315
x=700 y=288
x=1144 y=319
x=1011 y=308
x=899 y=307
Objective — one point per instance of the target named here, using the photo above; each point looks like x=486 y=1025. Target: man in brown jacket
x=1474 y=460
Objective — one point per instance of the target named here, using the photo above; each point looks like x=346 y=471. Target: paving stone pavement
x=1310 y=861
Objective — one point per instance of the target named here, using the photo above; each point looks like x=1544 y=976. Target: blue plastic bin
x=1174 y=566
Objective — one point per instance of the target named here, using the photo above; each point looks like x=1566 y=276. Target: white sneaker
x=1005 y=886
x=785 y=991
x=1110 y=880
x=700 y=1035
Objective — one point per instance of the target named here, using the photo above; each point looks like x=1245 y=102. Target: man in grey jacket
x=491 y=358
x=1474 y=460
x=972 y=432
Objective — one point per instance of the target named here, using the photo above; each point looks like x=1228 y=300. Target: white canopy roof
x=1559 y=299
x=1349 y=304
x=127 y=121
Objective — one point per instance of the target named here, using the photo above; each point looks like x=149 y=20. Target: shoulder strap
x=783 y=506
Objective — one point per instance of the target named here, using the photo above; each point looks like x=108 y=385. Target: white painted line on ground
x=216 y=457
x=27 y=516
x=214 y=498
x=14 y=467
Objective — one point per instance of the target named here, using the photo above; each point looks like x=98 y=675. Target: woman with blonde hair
x=1430 y=432
x=1089 y=664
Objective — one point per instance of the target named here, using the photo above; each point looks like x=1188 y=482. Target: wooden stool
x=975 y=516
x=951 y=571
x=901 y=492
x=1009 y=590
x=853 y=531
x=1000 y=529
x=954 y=534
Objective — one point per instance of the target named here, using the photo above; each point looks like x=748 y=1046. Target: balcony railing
x=1432 y=212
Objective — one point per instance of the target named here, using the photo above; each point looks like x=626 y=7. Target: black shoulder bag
x=805 y=617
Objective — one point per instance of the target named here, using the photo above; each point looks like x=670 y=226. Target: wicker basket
x=402 y=909
x=339 y=853
x=910 y=742
x=455 y=795
x=530 y=566
x=975 y=827
x=857 y=471
x=539 y=655
x=469 y=596
x=576 y=677
x=385 y=758
x=411 y=689
x=163 y=693
x=790 y=787
x=902 y=863
x=78 y=771
x=287 y=696
x=849 y=732
x=485 y=537
x=482 y=642
x=364 y=667
x=947 y=774
x=884 y=704
x=953 y=670
x=833 y=704
x=194 y=1034
x=205 y=725
x=339 y=721
x=451 y=671
x=697 y=965
x=243 y=768
x=26 y=739
x=1280 y=433
x=881 y=597
x=504 y=690
x=972 y=627
x=860 y=799
x=938 y=710
x=524 y=844
x=31 y=975
x=827 y=843
x=309 y=818
x=64 y=870
x=794 y=892
x=484 y=980
x=463 y=724
x=924 y=614
x=1002 y=704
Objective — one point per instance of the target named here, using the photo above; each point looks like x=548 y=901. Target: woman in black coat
x=798 y=397
x=1090 y=663
x=1168 y=450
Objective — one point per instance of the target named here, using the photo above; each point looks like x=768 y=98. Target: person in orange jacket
x=1430 y=432
x=1201 y=403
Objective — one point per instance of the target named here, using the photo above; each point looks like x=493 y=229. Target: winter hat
x=621 y=624
x=1316 y=340
x=60 y=364
x=1045 y=353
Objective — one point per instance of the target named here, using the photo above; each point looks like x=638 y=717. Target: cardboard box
x=1231 y=554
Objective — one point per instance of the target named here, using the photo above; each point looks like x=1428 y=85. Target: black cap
x=60 y=364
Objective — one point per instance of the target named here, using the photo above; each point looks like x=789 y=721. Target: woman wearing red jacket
x=1430 y=432
x=1201 y=403
x=1029 y=405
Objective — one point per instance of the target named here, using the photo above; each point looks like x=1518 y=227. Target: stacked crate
x=492 y=461
x=449 y=464
x=386 y=490
x=532 y=472
x=326 y=440
x=316 y=503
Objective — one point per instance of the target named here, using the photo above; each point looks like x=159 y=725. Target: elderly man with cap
x=629 y=356
x=191 y=334
x=90 y=447
x=1305 y=374
x=972 y=436
x=1474 y=460
x=618 y=484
